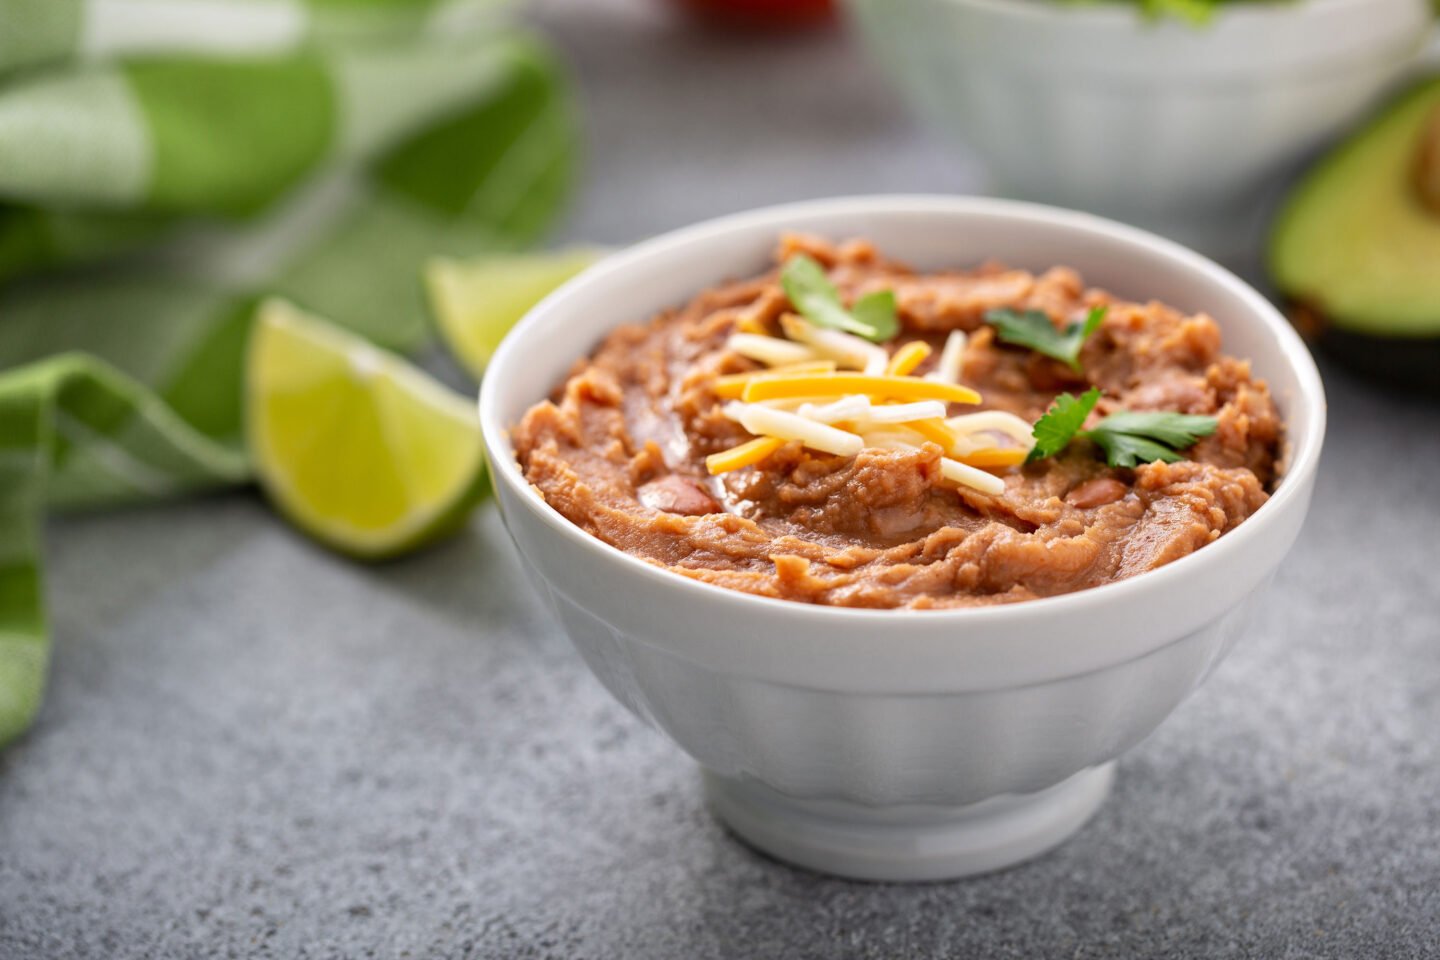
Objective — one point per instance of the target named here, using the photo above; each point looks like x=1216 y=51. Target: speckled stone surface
x=252 y=748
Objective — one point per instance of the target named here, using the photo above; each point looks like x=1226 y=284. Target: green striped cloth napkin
x=36 y=32
x=165 y=164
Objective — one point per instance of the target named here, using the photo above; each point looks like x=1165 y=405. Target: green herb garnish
x=1054 y=431
x=1128 y=438
x=811 y=292
x=1033 y=329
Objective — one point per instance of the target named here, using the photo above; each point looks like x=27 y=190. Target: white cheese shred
x=849 y=407
x=905 y=412
x=844 y=348
x=994 y=421
x=952 y=356
x=973 y=477
x=771 y=351
x=769 y=422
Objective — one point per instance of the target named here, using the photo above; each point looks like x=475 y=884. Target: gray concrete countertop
x=253 y=748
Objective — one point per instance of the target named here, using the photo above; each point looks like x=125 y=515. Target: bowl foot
x=913 y=843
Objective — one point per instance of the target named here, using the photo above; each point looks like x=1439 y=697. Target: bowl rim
x=1303 y=452
x=1238 y=46
x=1128 y=14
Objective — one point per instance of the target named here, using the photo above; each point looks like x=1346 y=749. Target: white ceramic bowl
x=1161 y=123
x=899 y=744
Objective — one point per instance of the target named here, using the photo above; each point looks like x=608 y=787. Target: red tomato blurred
x=763 y=12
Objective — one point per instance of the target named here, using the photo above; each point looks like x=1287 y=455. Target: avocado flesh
x=1356 y=246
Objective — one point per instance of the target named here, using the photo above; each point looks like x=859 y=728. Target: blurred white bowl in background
x=1173 y=126
x=899 y=744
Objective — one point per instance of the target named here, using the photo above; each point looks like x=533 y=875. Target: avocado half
x=1356 y=248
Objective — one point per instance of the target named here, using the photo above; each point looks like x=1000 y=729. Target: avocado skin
x=1409 y=365
x=1368 y=344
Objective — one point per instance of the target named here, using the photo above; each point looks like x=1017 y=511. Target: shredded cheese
x=791 y=404
x=731 y=385
x=844 y=348
x=992 y=458
x=771 y=351
x=838 y=393
x=846 y=408
x=828 y=384
x=996 y=421
x=907 y=358
x=810 y=366
x=936 y=432
x=906 y=412
x=952 y=356
x=889 y=440
x=769 y=422
x=957 y=472
x=970 y=474
x=857 y=408
x=744 y=455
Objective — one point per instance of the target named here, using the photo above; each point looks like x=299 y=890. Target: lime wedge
x=353 y=444
x=476 y=302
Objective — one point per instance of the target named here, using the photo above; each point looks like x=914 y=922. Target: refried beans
x=620 y=448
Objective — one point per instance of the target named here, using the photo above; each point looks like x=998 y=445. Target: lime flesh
x=353 y=444
x=476 y=302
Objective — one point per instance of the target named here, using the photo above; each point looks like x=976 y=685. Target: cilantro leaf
x=1054 y=431
x=1129 y=450
x=1130 y=437
x=815 y=297
x=1033 y=329
x=1178 y=430
x=876 y=310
